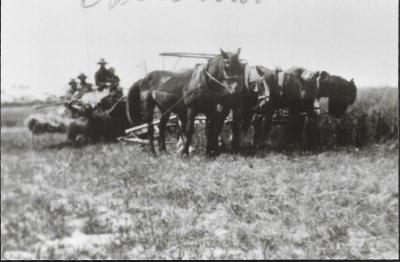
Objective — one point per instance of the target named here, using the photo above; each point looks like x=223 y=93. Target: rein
x=214 y=79
x=115 y=104
x=226 y=77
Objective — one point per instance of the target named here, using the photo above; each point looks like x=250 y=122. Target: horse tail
x=133 y=104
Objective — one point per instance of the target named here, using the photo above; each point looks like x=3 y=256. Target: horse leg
x=257 y=125
x=208 y=135
x=182 y=125
x=219 y=124
x=150 y=128
x=162 y=126
x=189 y=129
x=294 y=130
x=245 y=124
x=300 y=136
x=216 y=125
x=237 y=116
x=267 y=124
x=262 y=126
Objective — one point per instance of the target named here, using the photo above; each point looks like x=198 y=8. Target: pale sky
x=45 y=42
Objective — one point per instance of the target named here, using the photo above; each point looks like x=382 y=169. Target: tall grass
x=372 y=118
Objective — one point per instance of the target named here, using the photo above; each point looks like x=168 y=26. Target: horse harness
x=226 y=78
x=204 y=70
x=280 y=79
x=317 y=83
x=317 y=76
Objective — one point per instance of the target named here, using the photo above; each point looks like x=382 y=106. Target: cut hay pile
x=54 y=123
x=91 y=122
x=47 y=123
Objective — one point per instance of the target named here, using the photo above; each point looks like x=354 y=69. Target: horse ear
x=323 y=73
x=238 y=51
x=352 y=81
x=223 y=53
x=260 y=71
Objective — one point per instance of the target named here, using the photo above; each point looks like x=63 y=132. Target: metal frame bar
x=189 y=55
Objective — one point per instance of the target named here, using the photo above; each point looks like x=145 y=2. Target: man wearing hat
x=84 y=86
x=72 y=95
x=73 y=88
x=102 y=75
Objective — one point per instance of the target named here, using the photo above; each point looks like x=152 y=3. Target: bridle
x=226 y=77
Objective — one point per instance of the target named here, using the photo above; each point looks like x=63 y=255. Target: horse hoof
x=235 y=150
x=184 y=154
x=212 y=154
x=153 y=153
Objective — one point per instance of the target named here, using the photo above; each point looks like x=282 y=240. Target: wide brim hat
x=82 y=76
x=102 y=62
x=72 y=81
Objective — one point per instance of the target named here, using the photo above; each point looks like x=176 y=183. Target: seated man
x=114 y=82
x=102 y=76
x=84 y=87
x=73 y=90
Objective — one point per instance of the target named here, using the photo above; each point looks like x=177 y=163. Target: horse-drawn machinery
x=106 y=116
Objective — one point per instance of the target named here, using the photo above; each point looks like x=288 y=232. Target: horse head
x=340 y=92
x=225 y=73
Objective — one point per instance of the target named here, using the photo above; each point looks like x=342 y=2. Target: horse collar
x=280 y=75
x=318 y=84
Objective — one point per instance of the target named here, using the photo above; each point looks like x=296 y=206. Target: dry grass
x=14 y=116
x=115 y=201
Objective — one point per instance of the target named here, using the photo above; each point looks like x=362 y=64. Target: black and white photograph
x=199 y=129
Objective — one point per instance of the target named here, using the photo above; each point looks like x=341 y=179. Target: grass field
x=116 y=201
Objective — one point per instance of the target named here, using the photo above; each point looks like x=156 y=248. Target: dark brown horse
x=212 y=89
x=272 y=90
x=340 y=92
